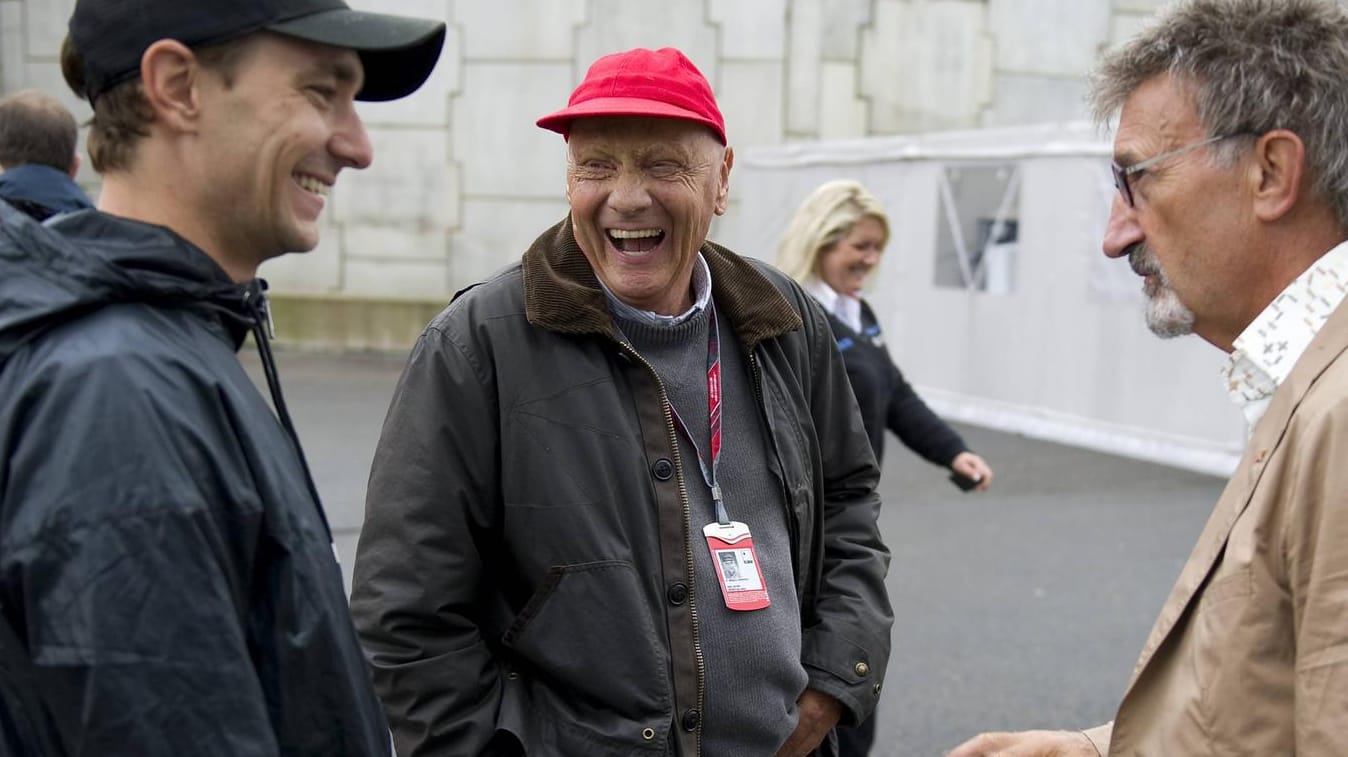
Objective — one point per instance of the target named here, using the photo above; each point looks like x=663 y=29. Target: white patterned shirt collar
x=846 y=307
x=701 y=290
x=1266 y=350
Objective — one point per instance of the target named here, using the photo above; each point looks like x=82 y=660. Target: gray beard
x=1166 y=316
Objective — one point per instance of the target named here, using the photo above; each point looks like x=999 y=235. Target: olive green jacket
x=527 y=529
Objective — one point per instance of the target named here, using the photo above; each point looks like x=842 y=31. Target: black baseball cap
x=397 y=52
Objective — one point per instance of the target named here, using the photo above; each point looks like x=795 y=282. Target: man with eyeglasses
x=1232 y=173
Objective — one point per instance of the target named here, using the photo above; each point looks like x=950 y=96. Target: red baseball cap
x=641 y=82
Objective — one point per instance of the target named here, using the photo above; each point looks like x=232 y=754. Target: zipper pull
x=266 y=312
x=256 y=297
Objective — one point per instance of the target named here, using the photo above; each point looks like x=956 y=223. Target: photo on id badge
x=737 y=569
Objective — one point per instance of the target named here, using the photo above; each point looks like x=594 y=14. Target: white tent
x=995 y=297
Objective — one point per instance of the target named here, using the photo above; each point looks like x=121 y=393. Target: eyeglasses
x=1122 y=173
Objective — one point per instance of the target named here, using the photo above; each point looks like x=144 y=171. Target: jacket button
x=862 y=669
x=663 y=469
x=648 y=733
x=876 y=689
x=677 y=594
x=691 y=720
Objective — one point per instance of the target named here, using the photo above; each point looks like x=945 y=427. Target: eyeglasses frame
x=1122 y=173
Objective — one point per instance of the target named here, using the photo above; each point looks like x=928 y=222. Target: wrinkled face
x=846 y=264
x=643 y=192
x=273 y=143
x=1185 y=233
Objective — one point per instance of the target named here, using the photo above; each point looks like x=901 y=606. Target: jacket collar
x=159 y=266
x=562 y=293
x=44 y=185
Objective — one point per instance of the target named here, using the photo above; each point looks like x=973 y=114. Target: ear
x=570 y=168
x=1278 y=169
x=169 y=76
x=75 y=162
x=723 y=191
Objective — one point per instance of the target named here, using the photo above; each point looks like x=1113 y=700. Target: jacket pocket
x=592 y=676
x=1221 y=632
x=1217 y=620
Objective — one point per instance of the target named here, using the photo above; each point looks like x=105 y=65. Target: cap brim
x=398 y=53
x=560 y=121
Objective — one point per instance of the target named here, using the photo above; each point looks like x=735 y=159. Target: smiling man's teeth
x=310 y=184
x=635 y=241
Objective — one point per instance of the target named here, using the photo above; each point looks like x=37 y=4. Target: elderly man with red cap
x=623 y=502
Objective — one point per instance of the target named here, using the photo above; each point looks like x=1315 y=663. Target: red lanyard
x=709 y=468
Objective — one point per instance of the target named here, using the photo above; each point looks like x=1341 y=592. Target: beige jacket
x=1250 y=653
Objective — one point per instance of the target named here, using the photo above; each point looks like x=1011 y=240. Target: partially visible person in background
x=831 y=246
x=38 y=139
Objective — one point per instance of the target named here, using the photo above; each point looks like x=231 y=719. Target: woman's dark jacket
x=887 y=401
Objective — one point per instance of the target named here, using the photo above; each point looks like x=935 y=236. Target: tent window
x=978 y=226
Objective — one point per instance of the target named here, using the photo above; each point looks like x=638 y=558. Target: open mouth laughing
x=635 y=241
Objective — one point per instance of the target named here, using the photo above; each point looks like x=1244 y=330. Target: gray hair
x=821 y=220
x=1252 y=66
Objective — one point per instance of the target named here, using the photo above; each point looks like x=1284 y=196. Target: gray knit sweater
x=751 y=659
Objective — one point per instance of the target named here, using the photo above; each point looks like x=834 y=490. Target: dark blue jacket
x=165 y=567
x=42 y=191
x=886 y=399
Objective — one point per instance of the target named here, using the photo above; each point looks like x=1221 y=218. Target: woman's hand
x=972 y=466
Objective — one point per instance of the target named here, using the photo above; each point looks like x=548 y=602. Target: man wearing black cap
x=167 y=579
x=623 y=502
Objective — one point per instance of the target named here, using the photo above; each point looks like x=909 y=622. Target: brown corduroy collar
x=562 y=293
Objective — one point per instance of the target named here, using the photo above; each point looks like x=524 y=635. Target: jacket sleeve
x=126 y=540
x=433 y=494
x=846 y=647
x=1313 y=542
x=1099 y=737
x=918 y=427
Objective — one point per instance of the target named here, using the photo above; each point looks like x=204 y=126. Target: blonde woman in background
x=831 y=246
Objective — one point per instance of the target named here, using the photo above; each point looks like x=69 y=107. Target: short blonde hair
x=824 y=218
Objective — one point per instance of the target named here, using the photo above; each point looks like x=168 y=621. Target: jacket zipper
x=672 y=435
x=259 y=311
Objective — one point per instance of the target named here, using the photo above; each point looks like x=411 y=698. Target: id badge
x=737 y=567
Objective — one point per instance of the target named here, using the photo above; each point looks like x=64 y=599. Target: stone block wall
x=463 y=180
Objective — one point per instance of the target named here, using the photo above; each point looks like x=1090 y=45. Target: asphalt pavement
x=1022 y=607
